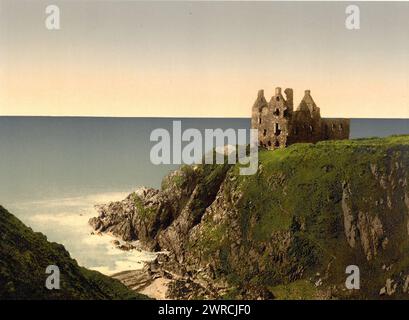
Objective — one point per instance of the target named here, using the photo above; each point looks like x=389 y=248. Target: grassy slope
x=302 y=185
x=24 y=256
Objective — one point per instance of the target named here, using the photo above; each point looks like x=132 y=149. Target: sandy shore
x=142 y=282
x=157 y=289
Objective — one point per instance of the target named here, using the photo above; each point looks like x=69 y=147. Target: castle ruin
x=279 y=125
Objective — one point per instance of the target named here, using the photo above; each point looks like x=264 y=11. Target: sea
x=54 y=170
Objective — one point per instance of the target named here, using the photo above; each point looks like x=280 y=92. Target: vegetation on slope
x=288 y=231
x=24 y=256
x=291 y=219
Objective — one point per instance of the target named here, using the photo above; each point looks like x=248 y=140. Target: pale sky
x=201 y=59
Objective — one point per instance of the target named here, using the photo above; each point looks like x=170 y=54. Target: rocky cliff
x=24 y=257
x=288 y=231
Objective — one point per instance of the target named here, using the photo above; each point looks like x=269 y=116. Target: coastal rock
x=312 y=209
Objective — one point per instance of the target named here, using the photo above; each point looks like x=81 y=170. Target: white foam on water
x=65 y=220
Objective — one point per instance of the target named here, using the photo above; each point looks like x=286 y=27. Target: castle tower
x=257 y=109
x=281 y=115
x=272 y=118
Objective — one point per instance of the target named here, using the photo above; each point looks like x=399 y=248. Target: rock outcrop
x=163 y=218
x=311 y=209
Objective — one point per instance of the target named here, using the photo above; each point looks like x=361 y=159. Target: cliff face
x=288 y=231
x=24 y=257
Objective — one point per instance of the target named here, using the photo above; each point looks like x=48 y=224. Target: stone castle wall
x=279 y=125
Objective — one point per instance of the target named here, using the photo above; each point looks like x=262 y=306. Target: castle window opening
x=277 y=144
x=265 y=132
x=277 y=112
x=269 y=143
x=277 y=129
x=259 y=120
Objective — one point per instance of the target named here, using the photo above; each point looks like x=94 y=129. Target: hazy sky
x=202 y=59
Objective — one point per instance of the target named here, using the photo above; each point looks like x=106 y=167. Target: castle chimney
x=278 y=91
x=289 y=96
x=307 y=92
x=260 y=93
